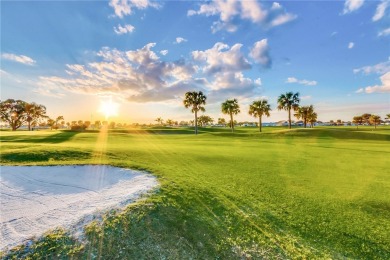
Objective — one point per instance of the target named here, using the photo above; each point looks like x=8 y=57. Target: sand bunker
x=34 y=199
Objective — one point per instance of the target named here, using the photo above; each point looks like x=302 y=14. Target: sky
x=143 y=55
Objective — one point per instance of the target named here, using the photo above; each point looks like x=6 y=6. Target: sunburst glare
x=109 y=108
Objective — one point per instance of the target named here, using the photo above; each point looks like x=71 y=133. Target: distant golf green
x=300 y=193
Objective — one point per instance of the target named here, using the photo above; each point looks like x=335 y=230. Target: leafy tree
x=183 y=123
x=357 y=120
x=51 y=123
x=366 y=118
x=58 y=119
x=339 y=122
x=312 y=118
x=260 y=108
x=13 y=112
x=374 y=119
x=304 y=112
x=231 y=107
x=388 y=116
x=34 y=112
x=97 y=124
x=159 y=120
x=287 y=102
x=205 y=120
x=221 y=121
x=195 y=101
x=112 y=125
x=87 y=124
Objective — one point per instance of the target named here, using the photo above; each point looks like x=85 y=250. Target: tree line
x=259 y=108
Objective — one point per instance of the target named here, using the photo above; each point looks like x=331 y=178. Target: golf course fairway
x=300 y=193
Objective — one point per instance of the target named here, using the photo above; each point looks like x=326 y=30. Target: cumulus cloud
x=137 y=75
x=125 y=7
x=18 y=58
x=384 y=32
x=352 y=5
x=180 y=40
x=351 y=45
x=379 y=68
x=260 y=53
x=127 y=28
x=384 y=87
x=164 y=52
x=380 y=10
x=252 y=11
x=302 y=82
x=222 y=58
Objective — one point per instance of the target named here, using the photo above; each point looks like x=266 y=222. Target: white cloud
x=136 y=75
x=125 y=7
x=127 y=28
x=380 y=10
x=18 y=58
x=222 y=59
x=383 y=88
x=351 y=45
x=164 y=52
x=253 y=11
x=260 y=53
x=180 y=40
x=276 y=6
x=258 y=81
x=302 y=82
x=360 y=90
x=352 y=5
x=282 y=18
x=384 y=32
x=379 y=68
x=305 y=97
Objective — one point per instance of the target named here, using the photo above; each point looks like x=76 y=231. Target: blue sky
x=144 y=55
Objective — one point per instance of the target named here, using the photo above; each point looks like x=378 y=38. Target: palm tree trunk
x=260 y=123
x=231 y=122
x=196 y=122
x=29 y=126
x=289 y=118
x=304 y=122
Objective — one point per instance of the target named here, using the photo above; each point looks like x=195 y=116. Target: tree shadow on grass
x=44 y=156
x=57 y=138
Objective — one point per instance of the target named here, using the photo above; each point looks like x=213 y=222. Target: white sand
x=35 y=199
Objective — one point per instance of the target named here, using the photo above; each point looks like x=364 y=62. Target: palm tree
x=304 y=112
x=312 y=118
x=260 y=108
x=287 y=102
x=388 y=116
x=159 y=120
x=231 y=107
x=195 y=100
x=375 y=120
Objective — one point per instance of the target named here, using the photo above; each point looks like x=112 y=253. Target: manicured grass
x=300 y=193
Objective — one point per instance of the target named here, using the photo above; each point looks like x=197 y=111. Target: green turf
x=300 y=193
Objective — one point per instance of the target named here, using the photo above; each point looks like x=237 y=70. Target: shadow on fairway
x=57 y=138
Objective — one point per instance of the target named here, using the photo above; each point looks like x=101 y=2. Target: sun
x=109 y=108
